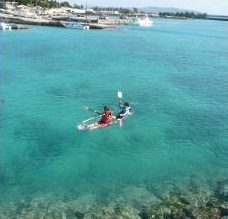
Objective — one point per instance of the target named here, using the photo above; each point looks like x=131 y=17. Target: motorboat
x=5 y=26
x=144 y=21
x=77 y=25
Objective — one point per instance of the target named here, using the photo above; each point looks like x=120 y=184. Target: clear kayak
x=85 y=126
x=92 y=123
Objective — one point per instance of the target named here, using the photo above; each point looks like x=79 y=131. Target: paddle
x=89 y=119
x=120 y=95
x=87 y=108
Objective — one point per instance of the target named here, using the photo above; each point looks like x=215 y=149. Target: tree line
x=42 y=3
x=55 y=4
x=184 y=14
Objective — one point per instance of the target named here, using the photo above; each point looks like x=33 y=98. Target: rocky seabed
x=142 y=202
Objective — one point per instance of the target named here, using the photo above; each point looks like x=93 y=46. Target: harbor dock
x=95 y=23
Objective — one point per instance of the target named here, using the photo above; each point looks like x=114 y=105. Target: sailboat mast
x=86 y=10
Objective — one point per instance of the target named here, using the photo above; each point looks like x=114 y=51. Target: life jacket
x=106 y=117
x=124 y=110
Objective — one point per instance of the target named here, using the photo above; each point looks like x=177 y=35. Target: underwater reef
x=142 y=202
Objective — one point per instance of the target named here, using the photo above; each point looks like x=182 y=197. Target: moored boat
x=144 y=21
x=77 y=25
x=5 y=26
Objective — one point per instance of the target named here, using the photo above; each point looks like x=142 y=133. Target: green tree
x=65 y=4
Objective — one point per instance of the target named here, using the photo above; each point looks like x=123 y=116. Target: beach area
x=168 y=161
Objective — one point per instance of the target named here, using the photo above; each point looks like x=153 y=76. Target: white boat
x=5 y=26
x=145 y=21
x=77 y=25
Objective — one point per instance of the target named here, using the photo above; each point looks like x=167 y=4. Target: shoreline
x=95 y=23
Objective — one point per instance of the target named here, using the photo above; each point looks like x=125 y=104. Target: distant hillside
x=161 y=9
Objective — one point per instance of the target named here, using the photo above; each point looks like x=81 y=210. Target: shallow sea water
x=173 y=73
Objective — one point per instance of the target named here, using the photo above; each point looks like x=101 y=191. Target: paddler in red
x=106 y=116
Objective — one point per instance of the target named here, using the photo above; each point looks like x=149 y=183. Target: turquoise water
x=173 y=73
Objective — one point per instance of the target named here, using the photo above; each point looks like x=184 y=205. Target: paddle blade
x=85 y=107
x=119 y=94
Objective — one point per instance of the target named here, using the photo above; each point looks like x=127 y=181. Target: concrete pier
x=30 y=21
x=95 y=23
x=19 y=26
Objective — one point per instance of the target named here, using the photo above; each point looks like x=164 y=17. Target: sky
x=215 y=7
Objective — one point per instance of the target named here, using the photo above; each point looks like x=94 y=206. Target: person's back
x=106 y=116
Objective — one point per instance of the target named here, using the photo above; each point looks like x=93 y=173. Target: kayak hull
x=84 y=127
x=93 y=126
